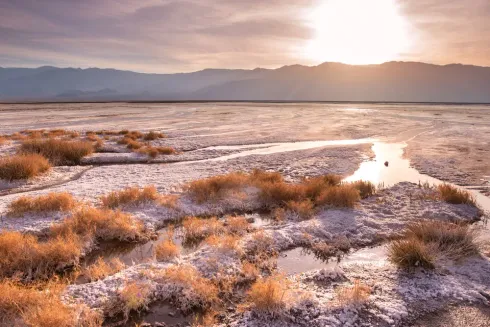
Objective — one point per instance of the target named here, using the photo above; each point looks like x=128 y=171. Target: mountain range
x=391 y=81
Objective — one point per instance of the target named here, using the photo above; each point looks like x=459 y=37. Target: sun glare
x=357 y=32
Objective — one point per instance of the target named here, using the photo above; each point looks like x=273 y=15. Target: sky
x=169 y=36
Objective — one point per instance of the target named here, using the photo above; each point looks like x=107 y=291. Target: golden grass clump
x=365 y=188
x=216 y=187
x=269 y=295
x=454 y=195
x=315 y=185
x=151 y=136
x=23 y=166
x=341 y=196
x=153 y=152
x=201 y=292
x=102 y=224
x=59 y=152
x=425 y=242
x=24 y=254
x=41 y=306
x=260 y=176
x=101 y=269
x=133 y=144
x=166 y=250
x=236 y=225
x=225 y=243
x=3 y=140
x=134 y=296
x=302 y=209
x=278 y=193
x=196 y=229
x=130 y=196
x=44 y=203
x=356 y=294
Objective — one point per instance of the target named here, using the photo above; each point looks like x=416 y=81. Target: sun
x=357 y=32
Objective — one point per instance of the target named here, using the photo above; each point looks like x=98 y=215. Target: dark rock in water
x=171 y=314
x=386 y=163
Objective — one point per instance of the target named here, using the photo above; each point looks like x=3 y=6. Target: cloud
x=187 y=35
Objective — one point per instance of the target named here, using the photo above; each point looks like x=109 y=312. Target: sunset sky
x=180 y=36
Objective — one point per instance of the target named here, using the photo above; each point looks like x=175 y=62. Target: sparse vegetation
x=133 y=297
x=366 y=189
x=25 y=255
x=167 y=249
x=153 y=152
x=102 y=224
x=58 y=152
x=269 y=295
x=425 y=242
x=196 y=229
x=343 y=196
x=23 y=166
x=236 y=225
x=150 y=136
x=44 y=203
x=302 y=209
x=41 y=306
x=454 y=195
x=101 y=269
x=130 y=196
x=356 y=294
x=216 y=187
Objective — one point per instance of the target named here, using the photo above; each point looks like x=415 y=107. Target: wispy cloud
x=179 y=35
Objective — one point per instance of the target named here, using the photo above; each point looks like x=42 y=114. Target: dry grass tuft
x=354 y=295
x=315 y=185
x=153 y=152
x=45 y=203
x=216 y=187
x=166 y=250
x=25 y=255
x=342 y=196
x=101 y=269
x=426 y=241
x=302 y=209
x=151 y=136
x=278 y=193
x=23 y=166
x=365 y=188
x=102 y=224
x=269 y=295
x=196 y=229
x=236 y=225
x=260 y=176
x=200 y=292
x=133 y=145
x=3 y=140
x=225 y=243
x=134 y=297
x=454 y=195
x=130 y=196
x=59 y=152
x=41 y=307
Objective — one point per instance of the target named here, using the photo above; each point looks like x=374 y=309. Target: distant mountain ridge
x=391 y=81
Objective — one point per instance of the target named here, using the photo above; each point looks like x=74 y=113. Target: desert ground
x=247 y=214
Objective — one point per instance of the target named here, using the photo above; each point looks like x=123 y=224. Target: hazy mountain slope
x=393 y=81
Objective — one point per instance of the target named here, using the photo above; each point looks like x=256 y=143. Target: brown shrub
x=101 y=269
x=354 y=295
x=200 y=292
x=100 y=223
x=303 y=209
x=3 y=140
x=236 y=225
x=269 y=295
x=43 y=203
x=197 y=229
x=23 y=166
x=365 y=188
x=224 y=243
x=278 y=193
x=261 y=176
x=25 y=254
x=316 y=185
x=410 y=253
x=169 y=201
x=454 y=195
x=134 y=135
x=59 y=152
x=153 y=152
x=41 y=307
x=134 y=297
x=130 y=196
x=166 y=250
x=133 y=145
x=342 y=196
x=57 y=132
x=153 y=136
x=216 y=187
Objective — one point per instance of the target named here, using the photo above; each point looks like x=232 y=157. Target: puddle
x=399 y=170
x=134 y=253
x=271 y=148
x=163 y=313
x=299 y=260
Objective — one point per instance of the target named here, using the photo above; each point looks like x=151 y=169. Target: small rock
x=160 y=324
x=386 y=163
x=171 y=314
